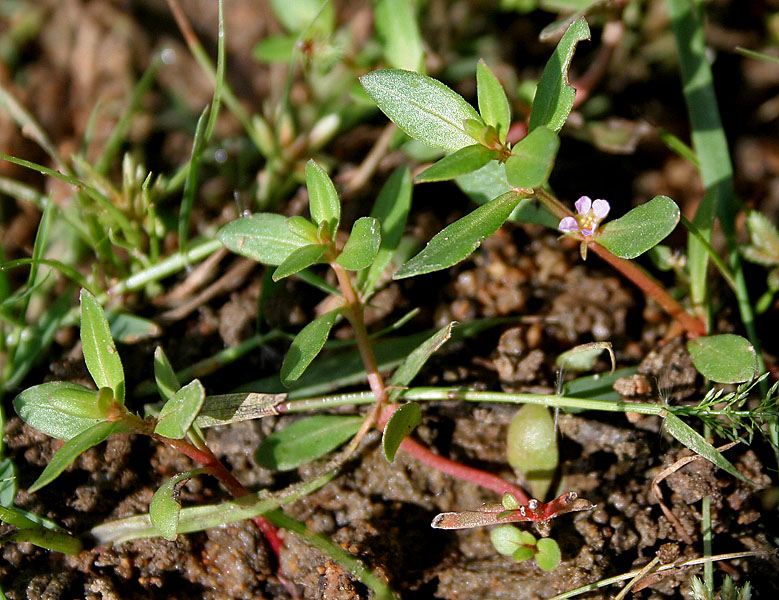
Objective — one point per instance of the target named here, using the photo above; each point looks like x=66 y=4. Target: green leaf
x=548 y=555
x=306 y=345
x=725 y=358
x=73 y=448
x=531 y=447
x=698 y=444
x=493 y=104
x=532 y=158
x=414 y=362
x=322 y=197
x=263 y=237
x=167 y=382
x=397 y=26
x=7 y=482
x=402 y=422
x=190 y=182
x=275 y=48
x=362 y=246
x=31 y=532
x=554 y=95
x=130 y=329
x=465 y=160
x=304 y=228
x=507 y=539
x=641 y=229
x=458 y=240
x=305 y=440
x=300 y=259
x=164 y=508
x=99 y=349
x=59 y=408
x=13 y=517
x=178 y=413
x=391 y=209
x=424 y=108
x=314 y=15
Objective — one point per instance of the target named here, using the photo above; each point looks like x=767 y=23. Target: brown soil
x=85 y=51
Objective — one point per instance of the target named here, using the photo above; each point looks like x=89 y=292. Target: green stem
x=381 y=590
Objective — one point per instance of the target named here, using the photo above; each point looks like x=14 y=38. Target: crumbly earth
x=89 y=50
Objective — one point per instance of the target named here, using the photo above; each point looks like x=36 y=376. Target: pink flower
x=589 y=215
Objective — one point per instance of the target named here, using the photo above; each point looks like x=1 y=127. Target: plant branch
x=694 y=326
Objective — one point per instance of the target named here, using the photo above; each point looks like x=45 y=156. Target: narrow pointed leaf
x=402 y=422
x=167 y=382
x=458 y=240
x=554 y=95
x=362 y=246
x=641 y=229
x=391 y=210
x=99 y=349
x=263 y=237
x=178 y=413
x=322 y=197
x=300 y=259
x=72 y=449
x=7 y=482
x=59 y=408
x=725 y=358
x=406 y=372
x=493 y=104
x=164 y=508
x=423 y=107
x=306 y=345
x=533 y=158
x=465 y=160
x=397 y=26
x=698 y=444
x=305 y=440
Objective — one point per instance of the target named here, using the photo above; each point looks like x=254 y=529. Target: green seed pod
x=531 y=447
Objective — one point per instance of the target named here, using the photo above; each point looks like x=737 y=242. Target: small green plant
x=508 y=177
x=522 y=545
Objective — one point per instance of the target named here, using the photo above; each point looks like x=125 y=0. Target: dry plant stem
x=694 y=326
x=205 y=457
x=362 y=175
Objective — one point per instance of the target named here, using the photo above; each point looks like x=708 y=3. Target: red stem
x=205 y=457
x=460 y=471
x=481 y=478
x=694 y=326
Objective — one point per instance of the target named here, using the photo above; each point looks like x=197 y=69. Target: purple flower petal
x=583 y=205
x=588 y=231
x=568 y=224
x=601 y=208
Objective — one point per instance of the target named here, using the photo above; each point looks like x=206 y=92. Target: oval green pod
x=531 y=447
